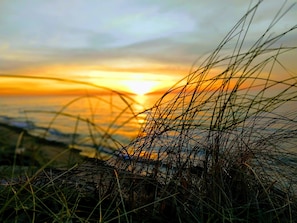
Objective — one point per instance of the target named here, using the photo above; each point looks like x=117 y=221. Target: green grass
x=223 y=148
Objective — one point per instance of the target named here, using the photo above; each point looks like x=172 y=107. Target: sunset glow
x=140 y=87
x=138 y=84
x=135 y=47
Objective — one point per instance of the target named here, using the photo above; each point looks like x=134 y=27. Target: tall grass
x=219 y=146
x=224 y=136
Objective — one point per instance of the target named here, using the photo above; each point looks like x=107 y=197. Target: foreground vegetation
x=216 y=147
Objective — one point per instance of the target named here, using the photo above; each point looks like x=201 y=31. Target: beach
x=19 y=148
x=51 y=169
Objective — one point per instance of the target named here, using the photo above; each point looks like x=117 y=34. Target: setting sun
x=140 y=87
x=136 y=83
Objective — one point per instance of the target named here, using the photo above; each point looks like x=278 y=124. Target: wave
x=50 y=134
x=54 y=135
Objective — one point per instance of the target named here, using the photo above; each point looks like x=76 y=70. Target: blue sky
x=148 y=36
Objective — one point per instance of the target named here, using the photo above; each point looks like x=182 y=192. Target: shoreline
x=17 y=147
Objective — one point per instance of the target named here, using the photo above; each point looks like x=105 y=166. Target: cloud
x=123 y=34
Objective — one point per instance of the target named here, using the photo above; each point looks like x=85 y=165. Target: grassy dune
x=219 y=146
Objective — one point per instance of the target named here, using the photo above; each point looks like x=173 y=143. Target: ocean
x=108 y=122
x=90 y=122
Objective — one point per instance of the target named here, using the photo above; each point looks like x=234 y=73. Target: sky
x=130 y=45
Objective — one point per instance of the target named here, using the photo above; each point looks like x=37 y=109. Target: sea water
x=105 y=123
x=89 y=122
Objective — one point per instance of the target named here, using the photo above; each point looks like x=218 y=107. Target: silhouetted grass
x=219 y=146
x=220 y=136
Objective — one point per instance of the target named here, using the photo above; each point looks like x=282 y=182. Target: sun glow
x=140 y=87
x=135 y=83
